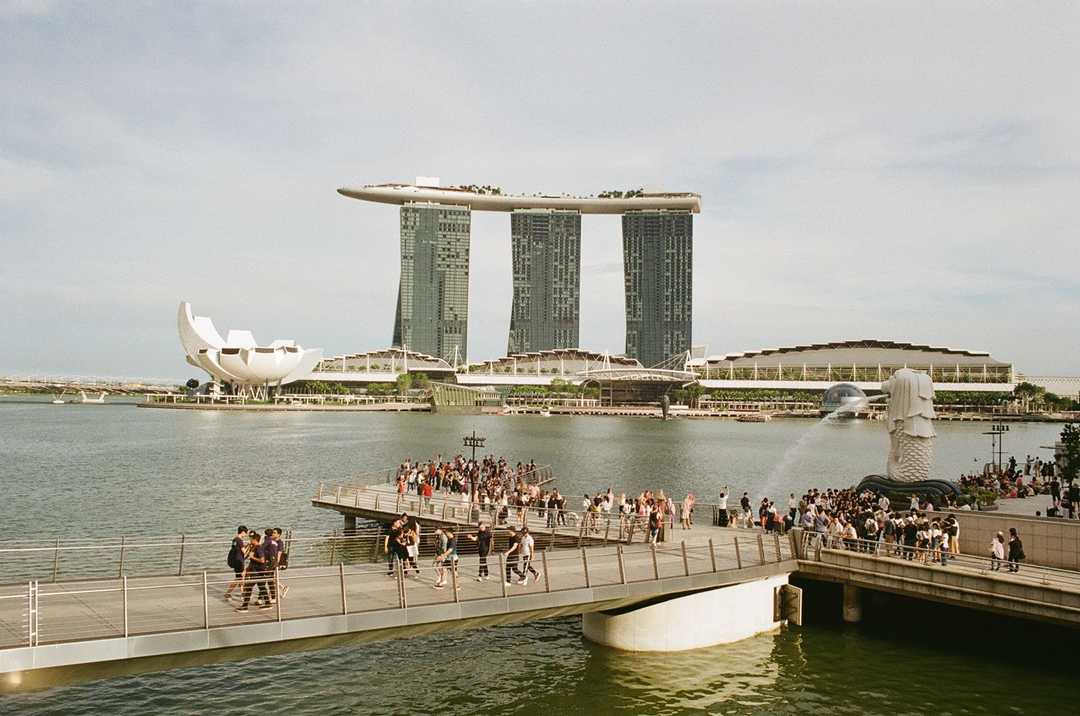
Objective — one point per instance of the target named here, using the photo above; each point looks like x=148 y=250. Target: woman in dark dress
x=1016 y=550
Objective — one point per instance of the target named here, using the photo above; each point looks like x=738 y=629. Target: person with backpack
x=255 y=574
x=235 y=560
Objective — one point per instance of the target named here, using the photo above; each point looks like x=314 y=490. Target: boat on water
x=84 y=399
x=59 y=400
x=545 y=413
x=754 y=418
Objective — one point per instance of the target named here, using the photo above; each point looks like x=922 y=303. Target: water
x=101 y=470
x=784 y=472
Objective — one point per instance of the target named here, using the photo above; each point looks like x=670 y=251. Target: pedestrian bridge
x=51 y=629
x=81 y=609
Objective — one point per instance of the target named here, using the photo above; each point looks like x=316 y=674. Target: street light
x=473 y=441
x=997 y=443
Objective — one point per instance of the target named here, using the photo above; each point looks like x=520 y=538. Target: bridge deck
x=64 y=623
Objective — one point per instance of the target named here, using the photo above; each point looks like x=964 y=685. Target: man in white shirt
x=527 y=548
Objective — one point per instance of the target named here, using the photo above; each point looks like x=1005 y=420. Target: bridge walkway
x=73 y=622
x=1044 y=593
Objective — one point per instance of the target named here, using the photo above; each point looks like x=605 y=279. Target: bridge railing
x=815 y=546
x=66 y=559
x=539 y=475
x=588 y=526
x=37 y=614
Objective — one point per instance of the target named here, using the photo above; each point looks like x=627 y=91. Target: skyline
x=154 y=157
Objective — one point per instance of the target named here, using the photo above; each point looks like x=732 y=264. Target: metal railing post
x=776 y=539
x=454 y=578
x=375 y=548
x=277 y=591
x=738 y=555
x=376 y=502
x=333 y=548
x=319 y=494
x=31 y=613
x=622 y=565
x=180 y=566
x=399 y=577
x=344 y=598
x=585 y=567
x=685 y=559
x=123 y=550
x=205 y=602
x=607 y=529
x=56 y=560
x=712 y=554
x=337 y=495
x=655 y=566
x=125 y=606
x=502 y=573
x=761 y=549
x=543 y=564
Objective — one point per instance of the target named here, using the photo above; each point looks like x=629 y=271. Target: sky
x=899 y=171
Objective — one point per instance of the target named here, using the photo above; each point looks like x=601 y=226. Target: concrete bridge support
x=852 y=604
x=707 y=618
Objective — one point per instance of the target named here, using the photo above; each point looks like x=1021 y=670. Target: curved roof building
x=865 y=363
x=237 y=358
x=480 y=200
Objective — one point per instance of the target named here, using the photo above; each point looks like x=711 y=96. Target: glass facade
x=433 y=296
x=658 y=265
x=546 y=308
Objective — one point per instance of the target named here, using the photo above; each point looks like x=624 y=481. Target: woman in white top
x=997 y=551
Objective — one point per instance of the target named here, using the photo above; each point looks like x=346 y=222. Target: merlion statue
x=911 y=432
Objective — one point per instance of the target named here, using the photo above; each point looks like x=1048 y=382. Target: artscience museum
x=238 y=360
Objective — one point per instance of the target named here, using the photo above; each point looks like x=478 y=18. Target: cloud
x=893 y=172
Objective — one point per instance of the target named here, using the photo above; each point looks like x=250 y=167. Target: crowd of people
x=1034 y=477
x=866 y=521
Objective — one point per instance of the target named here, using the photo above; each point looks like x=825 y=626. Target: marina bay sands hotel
x=433 y=293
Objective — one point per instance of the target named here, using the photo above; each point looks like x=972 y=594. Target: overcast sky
x=904 y=171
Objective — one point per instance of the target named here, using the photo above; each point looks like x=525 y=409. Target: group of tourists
x=255 y=560
x=868 y=522
x=402 y=548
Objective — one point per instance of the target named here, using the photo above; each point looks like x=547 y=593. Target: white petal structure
x=238 y=358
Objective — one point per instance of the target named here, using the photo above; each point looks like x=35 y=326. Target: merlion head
x=911 y=401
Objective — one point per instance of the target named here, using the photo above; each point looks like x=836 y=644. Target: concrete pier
x=716 y=616
x=852 y=604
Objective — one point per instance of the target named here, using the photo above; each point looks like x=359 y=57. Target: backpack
x=232 y=559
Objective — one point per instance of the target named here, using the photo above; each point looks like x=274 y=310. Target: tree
x=404 y=383
x=421 y=380
x=1029 y=395
x=1070 y=456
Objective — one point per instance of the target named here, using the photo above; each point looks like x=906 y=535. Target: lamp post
x=473 y=441
x=997 y=443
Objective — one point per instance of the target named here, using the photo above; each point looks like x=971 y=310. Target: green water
x=96 y=471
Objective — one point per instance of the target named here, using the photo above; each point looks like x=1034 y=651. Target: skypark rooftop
x=491 y=199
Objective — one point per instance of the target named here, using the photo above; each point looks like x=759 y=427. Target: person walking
x=528 y=545
x=997 y=551
x=513 y=549
x=442 y=550
x=255 y=574
x=1016 y=550
x=483 y=548
x=236 y=561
